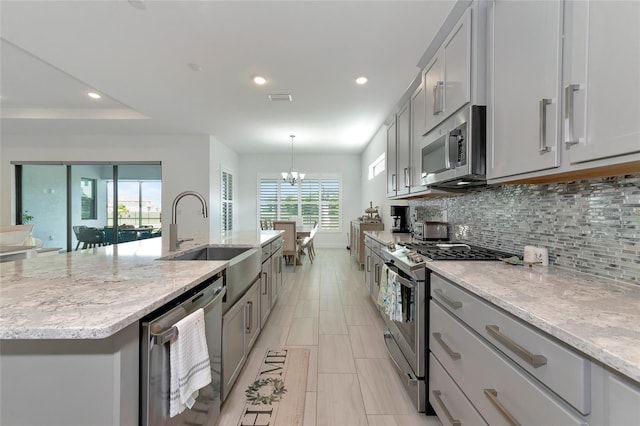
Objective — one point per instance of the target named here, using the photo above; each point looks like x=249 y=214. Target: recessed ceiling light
x=259 y=80
x=361 y=80
x=94 y=95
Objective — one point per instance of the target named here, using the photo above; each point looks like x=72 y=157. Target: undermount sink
x=210 y=253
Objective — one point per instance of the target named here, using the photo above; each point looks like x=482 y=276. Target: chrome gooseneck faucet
x=174 y=241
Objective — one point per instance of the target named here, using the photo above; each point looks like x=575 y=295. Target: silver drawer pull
x=454 y=304
x=492 y=394
x=532 y=359
x=452 y=354
x=454 y=422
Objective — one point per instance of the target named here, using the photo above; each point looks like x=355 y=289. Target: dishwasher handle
x=166 y=335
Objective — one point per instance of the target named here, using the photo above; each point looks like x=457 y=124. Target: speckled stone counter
x=386 y=237
x=599 y=317
x=94 y=293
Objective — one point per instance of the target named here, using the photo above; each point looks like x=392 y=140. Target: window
x=89 y=201
x=227 y=202
x=315 y=199
x=377 y=166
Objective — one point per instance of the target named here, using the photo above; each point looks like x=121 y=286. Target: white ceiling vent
x=280 y=97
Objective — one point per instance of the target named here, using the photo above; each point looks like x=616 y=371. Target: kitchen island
x=69 y=327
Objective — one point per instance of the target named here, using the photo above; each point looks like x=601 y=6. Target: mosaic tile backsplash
x=592 y=226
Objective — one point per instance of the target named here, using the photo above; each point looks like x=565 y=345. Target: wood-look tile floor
x=351 y=381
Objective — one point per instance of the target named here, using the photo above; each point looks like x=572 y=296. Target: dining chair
x=307 y=243
x=76 y=230
x=289 y=242
x=90 y=238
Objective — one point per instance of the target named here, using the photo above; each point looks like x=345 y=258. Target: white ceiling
x=137 y=54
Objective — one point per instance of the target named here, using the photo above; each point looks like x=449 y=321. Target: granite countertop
x=597 y=316
x=386 y=237
x=94 y=293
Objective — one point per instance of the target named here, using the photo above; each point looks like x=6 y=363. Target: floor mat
x=277 y=396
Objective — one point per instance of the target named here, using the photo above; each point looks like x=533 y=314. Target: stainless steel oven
x=405 y=339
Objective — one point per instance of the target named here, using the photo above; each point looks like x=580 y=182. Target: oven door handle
x=405 y=282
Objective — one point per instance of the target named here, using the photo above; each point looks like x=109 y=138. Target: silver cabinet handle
x=569 y=112
x=376 y=274
x=265 y=283
x=393 y=182
x=543 y=125
x=452 y=354
x=492 y=394
x=438 y=106
x=454 y=422
x=407 y=184
x=247 y=321
x=368 y=263
x=454 y=304
x=532 y=359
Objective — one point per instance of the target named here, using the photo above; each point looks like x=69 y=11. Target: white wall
x=347 y=166
x=186 y=161
x=375 y=190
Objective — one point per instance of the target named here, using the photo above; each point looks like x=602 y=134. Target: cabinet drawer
x=447 y=399
x=556 y=365
x=494 y=385
x=275 y=245
x=266 y=251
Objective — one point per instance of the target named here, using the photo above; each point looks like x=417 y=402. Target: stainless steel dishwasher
x=156 y=332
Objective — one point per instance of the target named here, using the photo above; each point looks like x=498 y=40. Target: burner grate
x=462 y=252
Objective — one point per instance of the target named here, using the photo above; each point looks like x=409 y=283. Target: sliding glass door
x=75 y=206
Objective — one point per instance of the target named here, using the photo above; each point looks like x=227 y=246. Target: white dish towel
x=189 y=358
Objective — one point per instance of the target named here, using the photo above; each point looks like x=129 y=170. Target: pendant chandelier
x=291 y=176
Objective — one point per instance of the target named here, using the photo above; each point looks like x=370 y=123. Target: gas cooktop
x=454 y=251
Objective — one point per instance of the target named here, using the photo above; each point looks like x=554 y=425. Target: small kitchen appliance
x=430 y=231
x=400 y=215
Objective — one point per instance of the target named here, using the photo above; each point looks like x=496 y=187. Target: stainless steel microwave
x=454 y=152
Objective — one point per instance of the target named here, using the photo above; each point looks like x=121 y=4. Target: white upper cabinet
x=392 y=177
x=447 y=77
x=602 y=80
x=417 y=130
x=434 y=91
x=524 y=66
x=403 y=149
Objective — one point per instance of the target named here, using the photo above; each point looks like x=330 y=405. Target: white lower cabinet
x=512 y=372
x=622 y=401
x=449 y=402
x=501 y=392
x=241 y=327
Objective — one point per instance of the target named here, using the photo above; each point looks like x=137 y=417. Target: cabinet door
x=368 y=269
x=276 y=275
x=252 y=317
x=623 y=401
x=403 y=147
x=434 y=91
x=602 y=80
x=392 y=177
x=233 y=345
x=457 y=60
x=417 y=131
x=524 y=52
x=265 y=296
